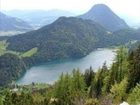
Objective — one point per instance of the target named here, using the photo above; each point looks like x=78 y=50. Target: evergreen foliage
x=107 y=86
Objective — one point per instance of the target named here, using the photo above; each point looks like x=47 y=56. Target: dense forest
x=11 y=68
x=107 y=86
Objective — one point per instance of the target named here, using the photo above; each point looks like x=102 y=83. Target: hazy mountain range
x=12 y=24
x=103 y=15
x=99 y=13
x=38 y=18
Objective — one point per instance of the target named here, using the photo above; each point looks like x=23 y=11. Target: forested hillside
x=65 y=38
x=107 y=86
x=11 y=68
x=13 y=64
x=69 y=38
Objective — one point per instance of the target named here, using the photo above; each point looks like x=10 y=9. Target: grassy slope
x=30 y=52
x=3 y=46
x=3 y=50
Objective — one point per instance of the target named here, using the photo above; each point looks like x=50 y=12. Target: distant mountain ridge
x=103 y=15
x=8 y=23
x=39 y=18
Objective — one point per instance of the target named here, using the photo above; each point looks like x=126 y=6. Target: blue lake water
x=50 y=72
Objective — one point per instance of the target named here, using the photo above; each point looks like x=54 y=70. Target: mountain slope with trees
x=69 y=38
x=65 y=38
x=11 y=68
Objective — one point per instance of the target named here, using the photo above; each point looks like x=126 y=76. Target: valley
x=53 y=57
x=65 y=38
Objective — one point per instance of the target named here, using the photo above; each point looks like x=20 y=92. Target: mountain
x=38 y=18
x=126 y=35
x=8 y=23
x=132 y=21
x=138 y=29
x=68 y=38
x=65 y=38
x=103 y=15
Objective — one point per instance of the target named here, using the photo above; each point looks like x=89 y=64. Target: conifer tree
x=134 y=69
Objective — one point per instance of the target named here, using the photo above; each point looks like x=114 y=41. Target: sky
x=129 y=9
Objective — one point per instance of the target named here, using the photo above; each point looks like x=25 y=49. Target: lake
x=50 y=72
